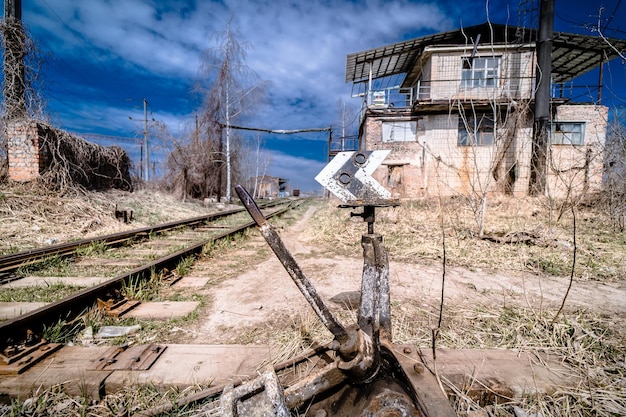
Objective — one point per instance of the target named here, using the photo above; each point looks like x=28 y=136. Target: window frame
x=411 y=126
x=484 y=130
x=474 y=76
x=567 y=134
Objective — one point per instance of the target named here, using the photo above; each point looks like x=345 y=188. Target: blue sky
x=105 y=56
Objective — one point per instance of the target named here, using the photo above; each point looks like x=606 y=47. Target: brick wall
x=434 y=164
x=24 y=151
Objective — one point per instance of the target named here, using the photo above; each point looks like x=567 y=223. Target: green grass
x=46 y=293
x=141 y=289
x=184 y=265
x=93 y=249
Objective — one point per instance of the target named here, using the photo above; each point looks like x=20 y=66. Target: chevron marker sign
x=349 y=176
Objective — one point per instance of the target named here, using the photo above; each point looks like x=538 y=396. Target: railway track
x=361 y=372
x=9 y=263
x=27 y=328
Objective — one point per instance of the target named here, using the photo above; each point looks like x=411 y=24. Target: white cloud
x=300 y=46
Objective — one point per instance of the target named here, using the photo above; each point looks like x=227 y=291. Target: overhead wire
x=63 y=65
x=86 y=47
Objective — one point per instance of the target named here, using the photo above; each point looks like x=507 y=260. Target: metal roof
x=572 y=54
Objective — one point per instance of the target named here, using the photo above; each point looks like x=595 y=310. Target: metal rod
x=291 y=266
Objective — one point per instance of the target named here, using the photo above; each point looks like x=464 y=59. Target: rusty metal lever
x=293 y=269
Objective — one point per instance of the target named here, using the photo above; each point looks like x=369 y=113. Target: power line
x=112 y=138
x=279 y=131
x=619 y=2
x=86 y=47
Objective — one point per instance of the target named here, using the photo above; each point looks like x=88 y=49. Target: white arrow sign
x=349 y=176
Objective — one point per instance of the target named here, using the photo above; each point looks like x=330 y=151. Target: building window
x=477 y=130
x=400 y=131
x=480 y=72
x=567 y=133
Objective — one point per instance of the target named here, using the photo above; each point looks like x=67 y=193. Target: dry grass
x=412 y=232
x=56 y=402
x=31 y=216
x=592 y=346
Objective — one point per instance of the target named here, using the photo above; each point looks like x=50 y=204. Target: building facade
x=457 y=114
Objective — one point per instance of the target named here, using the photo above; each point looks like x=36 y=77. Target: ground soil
x=262 y=295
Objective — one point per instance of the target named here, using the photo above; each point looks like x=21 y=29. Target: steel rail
x=13 y=261
x=72 y=306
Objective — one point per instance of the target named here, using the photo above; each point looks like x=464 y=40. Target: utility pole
x=144 y=168
x=14 y=67
x=538 y=162
x=145 y=138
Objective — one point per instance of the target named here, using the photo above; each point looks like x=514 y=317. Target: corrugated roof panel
x=572 y=54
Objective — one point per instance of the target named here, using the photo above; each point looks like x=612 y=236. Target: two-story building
x=456 y=110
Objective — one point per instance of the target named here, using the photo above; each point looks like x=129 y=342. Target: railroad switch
x=367 y=375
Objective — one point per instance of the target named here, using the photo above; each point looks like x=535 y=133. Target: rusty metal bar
x=293 y=269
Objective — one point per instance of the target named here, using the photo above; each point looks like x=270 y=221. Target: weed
x=62 y=331
x=46 y=293
x=141 y=289
x=184 y=265
x=58 y=263
x=93 y=249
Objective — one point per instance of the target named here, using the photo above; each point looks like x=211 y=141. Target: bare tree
x=231 y=90
x=347 y=119
x=258 y=162
x=614 y=187
x=191 y=168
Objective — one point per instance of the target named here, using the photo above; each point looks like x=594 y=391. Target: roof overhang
x=572 y=54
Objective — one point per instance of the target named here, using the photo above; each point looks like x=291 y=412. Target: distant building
x=270 y=187
x=457 y=113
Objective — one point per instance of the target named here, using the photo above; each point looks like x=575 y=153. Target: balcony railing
x=425 y=92
x=344 y=143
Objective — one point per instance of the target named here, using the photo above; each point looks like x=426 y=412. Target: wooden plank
x=66 y=368
x=146 y=252
x=132 y=358
x=163 y=310
x=184 y=365
x=111 y=262
x=487 y=374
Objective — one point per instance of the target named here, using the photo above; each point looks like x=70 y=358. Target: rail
x=72 y=306
x=13 y=261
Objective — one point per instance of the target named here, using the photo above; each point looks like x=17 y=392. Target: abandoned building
x=456 y=110
x=270 y=187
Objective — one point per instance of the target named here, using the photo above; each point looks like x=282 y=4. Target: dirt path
x=265 y=293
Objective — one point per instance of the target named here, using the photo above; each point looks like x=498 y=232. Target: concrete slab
x=11 y=310
x=146 y=252
x=189 y=281
x=185 y=365
x=163 y=310
x=133 y=263
x=44 y=281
